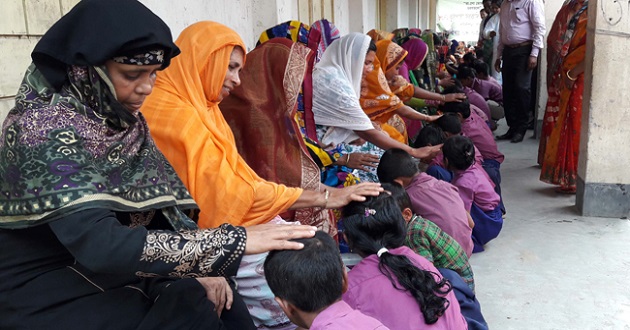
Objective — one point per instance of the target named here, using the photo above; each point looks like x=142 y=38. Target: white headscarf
x=337 y=88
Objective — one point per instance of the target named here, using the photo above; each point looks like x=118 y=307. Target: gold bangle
x=443 y=98
x=571 y=78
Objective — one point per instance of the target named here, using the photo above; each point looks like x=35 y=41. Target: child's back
x=476 y=129
x=392 y=283
x=373 y=294
x=474 y=188
x=440 y=202
x=341 y=316
x=428 y=240
x=432 y=199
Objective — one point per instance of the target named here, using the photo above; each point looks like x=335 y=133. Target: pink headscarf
x=417 y=51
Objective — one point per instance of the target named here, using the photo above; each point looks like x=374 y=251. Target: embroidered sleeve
x=199 y=253
x=102 y=244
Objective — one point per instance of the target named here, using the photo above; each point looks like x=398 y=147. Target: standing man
x=521 y=33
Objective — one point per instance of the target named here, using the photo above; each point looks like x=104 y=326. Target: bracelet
x=347 y=161
x=443 y=98
x=326 y=195
x=571 y=78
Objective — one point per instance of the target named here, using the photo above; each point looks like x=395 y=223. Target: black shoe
x=531 y=124
x=506 y=136
x=518 y=137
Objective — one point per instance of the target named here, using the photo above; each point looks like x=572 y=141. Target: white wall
x=247 y=17
x=22 y=23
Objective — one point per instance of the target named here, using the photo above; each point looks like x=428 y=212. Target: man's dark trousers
x=517 y=87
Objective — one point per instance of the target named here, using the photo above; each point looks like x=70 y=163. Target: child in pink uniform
x=308 y=285
x=476 y=192
x=431 y=198
x=473 y=127
x=392 y=283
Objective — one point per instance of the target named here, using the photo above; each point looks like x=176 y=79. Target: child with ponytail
x=476 y=191
x=392 y=283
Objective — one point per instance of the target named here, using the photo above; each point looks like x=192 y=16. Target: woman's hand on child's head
x=433 y=118
x=446 y=81
x=455 y=97
x=341 y=197
x=267 y=237
x=426 y=152
x=361 y=161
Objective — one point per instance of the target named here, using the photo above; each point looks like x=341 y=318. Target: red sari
x=559 y=143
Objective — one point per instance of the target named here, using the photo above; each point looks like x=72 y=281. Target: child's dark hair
x=469 y=58
x=310 y=278
x=372 y=46
x=378 y=223
x=430 y=135
x=464 y=72
x=456 y=107
x=396 y=163
x=459 y=151
x=449 y=123
x=399 y=194
x=482 y=68
x=456 y=88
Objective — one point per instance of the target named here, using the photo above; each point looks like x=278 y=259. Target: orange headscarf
x=379 y=103
x=377 y=35
x=188 y=127
x=390 y=55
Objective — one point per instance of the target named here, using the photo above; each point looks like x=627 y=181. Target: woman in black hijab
x=95 y=226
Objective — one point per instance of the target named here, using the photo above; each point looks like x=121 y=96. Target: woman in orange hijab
x=188 y=127
x=391 y=57
x=381 y=104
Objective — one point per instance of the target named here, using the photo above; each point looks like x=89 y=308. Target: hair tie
x=369 y=212
x=381 y=251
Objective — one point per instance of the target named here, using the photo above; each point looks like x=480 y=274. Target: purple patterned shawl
x=68 y=150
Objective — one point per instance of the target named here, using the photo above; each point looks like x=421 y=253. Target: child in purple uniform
x=308 y=285
x=478 y=195
x=392 y=283
x=432 y=135
x=473 y=127
x=431 y=198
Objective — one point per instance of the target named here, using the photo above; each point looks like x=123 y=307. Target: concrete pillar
x=424 y=14
x=363 y=15
x=390 y=14
x=414 y=14
x=603 y=177
x=341 y=13
x=401 y=14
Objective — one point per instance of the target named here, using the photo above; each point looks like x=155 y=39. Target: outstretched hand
x=433 y=118
x=426 y=152
x=454 y=97
x=267 y=237
x=341 y=197
x=361 y=161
